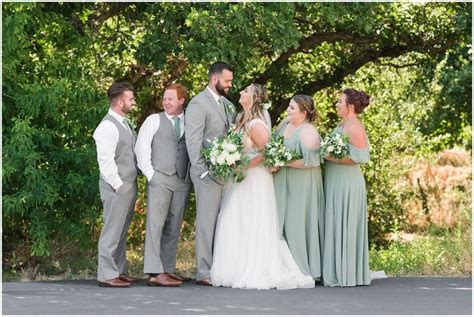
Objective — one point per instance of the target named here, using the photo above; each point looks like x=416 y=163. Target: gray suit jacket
x=204 y=122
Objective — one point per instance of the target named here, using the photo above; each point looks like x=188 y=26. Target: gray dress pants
x=208 y=202
x=167 y=198
x=118 y=213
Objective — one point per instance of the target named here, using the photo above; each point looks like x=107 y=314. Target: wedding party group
x=266 y=216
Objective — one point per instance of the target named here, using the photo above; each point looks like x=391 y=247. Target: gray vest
x=168 y=155
x=125 y=158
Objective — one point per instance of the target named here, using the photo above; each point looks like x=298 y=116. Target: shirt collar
x=116 y=115
x=214 y=94
x=170 y=117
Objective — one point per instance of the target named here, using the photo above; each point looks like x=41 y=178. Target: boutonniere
x=230 y=107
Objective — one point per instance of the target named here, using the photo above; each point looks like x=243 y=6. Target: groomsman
x=115 y=140
x=163 y=159
x=208 y=115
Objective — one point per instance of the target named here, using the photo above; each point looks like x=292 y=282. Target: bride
x=247 y=250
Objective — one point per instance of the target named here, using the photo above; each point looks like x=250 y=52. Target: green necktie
x=177 y=128
x=128 y=125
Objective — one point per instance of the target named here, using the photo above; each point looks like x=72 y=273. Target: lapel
x=216 y=107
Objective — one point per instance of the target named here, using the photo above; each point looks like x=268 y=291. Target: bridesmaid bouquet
x=225 y=157
x=336 y=145
x=277 y=154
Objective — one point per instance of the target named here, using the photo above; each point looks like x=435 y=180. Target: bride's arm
x=259 y=135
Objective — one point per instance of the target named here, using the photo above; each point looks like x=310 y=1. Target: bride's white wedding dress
x=247 y=250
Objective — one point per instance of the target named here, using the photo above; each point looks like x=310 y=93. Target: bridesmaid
x=346 y=251
x=299 y=188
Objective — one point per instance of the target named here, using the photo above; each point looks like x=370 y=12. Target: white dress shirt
x=106 y=137
x=216 y=97
x=145 y=137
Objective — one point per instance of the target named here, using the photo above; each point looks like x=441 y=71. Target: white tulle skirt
x=248 y=252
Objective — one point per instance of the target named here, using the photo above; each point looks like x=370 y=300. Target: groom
x=209 y=115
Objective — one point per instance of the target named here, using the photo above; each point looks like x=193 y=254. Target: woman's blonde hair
x=256 y=110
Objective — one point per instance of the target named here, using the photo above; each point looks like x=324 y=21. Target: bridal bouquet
x=277 y=154
x=225 y=157
x=336 y=145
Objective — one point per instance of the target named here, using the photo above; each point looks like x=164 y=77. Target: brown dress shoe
x=115 y=282
x=204 y=282
x=163 y=280
x=179 y=277
x=126 y=278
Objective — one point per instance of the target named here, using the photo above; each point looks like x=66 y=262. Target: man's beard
x=220 y=89
x=126 y=109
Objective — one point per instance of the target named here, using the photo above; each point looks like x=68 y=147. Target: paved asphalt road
x=403 y=295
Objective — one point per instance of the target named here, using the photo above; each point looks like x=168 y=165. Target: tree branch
x=357 y=61
x=106 y=11
x=306 y=44
x=397 y=66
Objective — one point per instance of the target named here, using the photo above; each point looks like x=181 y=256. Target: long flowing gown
x=300 y=202
x=247 y=250
x=346 y=251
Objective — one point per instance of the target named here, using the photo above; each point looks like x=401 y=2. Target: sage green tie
x=177 y=128
x=128 y=125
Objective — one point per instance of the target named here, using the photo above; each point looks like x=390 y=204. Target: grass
x=447 y=253
x=438 y=240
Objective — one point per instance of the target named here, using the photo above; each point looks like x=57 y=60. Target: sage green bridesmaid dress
x=346 y=250
x=300 y=204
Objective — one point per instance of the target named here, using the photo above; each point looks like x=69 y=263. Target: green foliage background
x=59 y=58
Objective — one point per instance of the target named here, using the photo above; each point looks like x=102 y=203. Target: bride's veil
x=267 y=118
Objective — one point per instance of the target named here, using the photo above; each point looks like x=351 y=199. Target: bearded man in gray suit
x=208 y=115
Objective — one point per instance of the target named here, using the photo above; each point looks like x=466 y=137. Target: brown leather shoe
x=115 y=282
x=163 y=280
x=204 y=282
x=126 y=278
x=179 y=277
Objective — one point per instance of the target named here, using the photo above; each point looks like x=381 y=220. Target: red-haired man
x=163 y=158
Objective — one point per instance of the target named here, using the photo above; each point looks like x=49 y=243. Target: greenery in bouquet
x=277 y=154
x=336 y=145
x=225 y=157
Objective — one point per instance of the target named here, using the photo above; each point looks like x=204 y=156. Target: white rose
x=330 y=148
x=340 y=142
x=230 y=159
x=220 y=159
x=279 y=163
x=231 y=147
x=236 y=156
